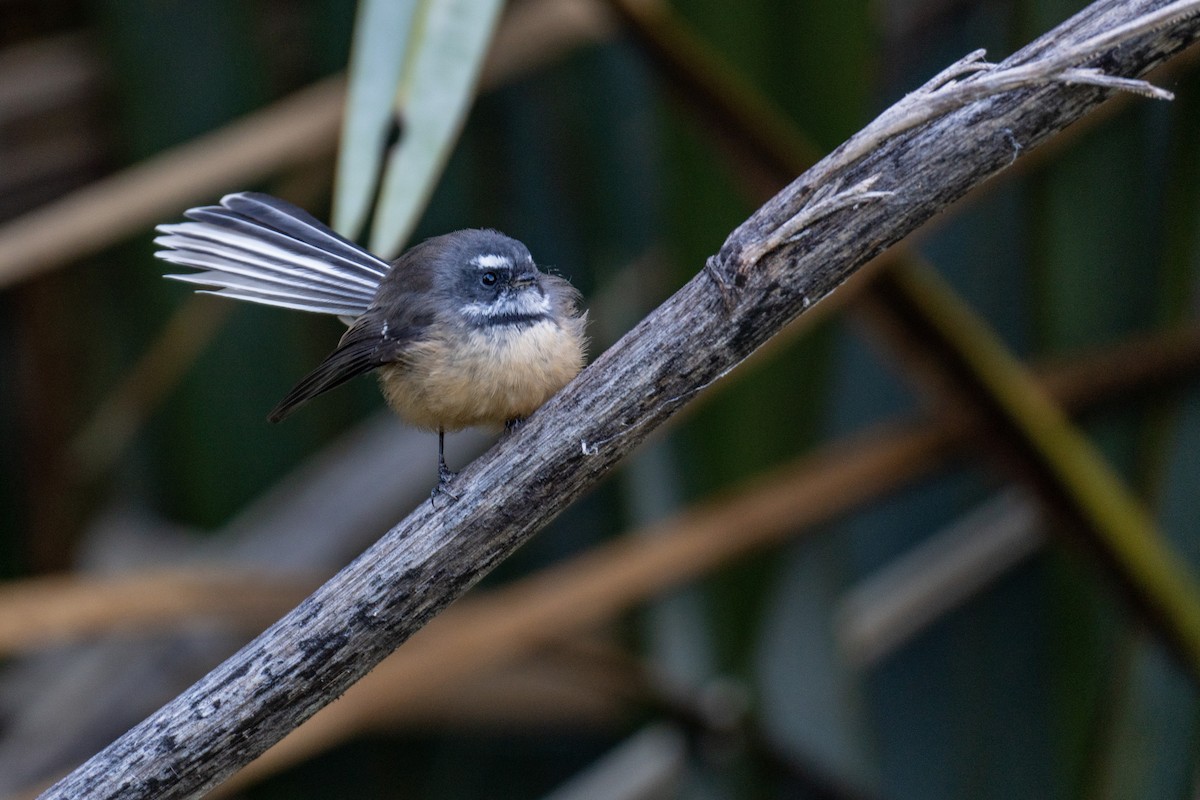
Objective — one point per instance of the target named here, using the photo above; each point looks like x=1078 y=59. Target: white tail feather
x=260 y=249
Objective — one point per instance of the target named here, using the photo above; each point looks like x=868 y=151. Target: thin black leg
x=444 y=473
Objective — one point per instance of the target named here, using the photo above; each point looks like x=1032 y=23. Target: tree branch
x=768 y=271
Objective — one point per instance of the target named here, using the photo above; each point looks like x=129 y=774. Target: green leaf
x=382 y=33
x=450 y=40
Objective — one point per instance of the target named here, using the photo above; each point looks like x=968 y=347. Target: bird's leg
x=512 y=424
x=444 y=473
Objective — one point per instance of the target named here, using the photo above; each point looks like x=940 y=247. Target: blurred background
x=819 y=581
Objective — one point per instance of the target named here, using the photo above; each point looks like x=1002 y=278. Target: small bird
x=462 y=329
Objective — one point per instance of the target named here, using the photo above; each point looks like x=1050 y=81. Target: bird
x=462 y=329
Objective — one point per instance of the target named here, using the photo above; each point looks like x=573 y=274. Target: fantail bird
x=463 y=329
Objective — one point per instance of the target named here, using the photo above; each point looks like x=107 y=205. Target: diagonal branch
x=961 y=358
x=334 y=637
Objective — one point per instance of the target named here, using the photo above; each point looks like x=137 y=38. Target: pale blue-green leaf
x=450 y=41
x=1152 y=712
x=810 y=700
x=381 y=40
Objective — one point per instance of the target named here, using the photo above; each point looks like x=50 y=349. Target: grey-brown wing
x=369 y=343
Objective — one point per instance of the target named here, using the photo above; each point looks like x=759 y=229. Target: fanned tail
x=258 y=248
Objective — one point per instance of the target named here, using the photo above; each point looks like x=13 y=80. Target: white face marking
x=492 y=261
x=525 y=303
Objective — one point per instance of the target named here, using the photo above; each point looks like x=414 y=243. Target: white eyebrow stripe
x=491 y=261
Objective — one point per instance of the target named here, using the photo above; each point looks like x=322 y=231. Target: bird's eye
x=488 y=278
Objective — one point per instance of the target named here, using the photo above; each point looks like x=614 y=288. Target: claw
x=445 y=475
x=444 y=478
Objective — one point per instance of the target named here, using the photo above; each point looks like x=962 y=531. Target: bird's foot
x=445 y=476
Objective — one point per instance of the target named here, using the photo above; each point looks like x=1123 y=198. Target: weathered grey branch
x=766 y=273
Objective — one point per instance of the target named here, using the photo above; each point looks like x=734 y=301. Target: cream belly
x=504 y=373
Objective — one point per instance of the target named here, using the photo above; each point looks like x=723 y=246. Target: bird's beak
x=524 y=280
